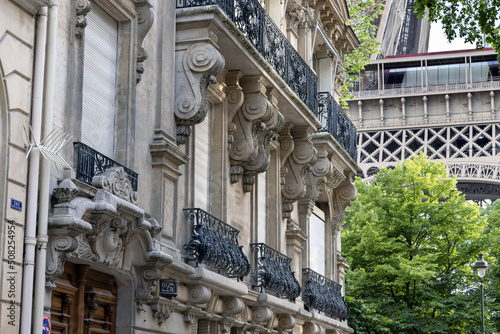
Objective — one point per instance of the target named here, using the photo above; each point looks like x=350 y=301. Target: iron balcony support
x=215 y=243
x=273 y=272
x=91 y=163
x=323 y=294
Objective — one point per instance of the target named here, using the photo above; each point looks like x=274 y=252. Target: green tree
x=362 y=15
x=410 y=238
x=477 y=21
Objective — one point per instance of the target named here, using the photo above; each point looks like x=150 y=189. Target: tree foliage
x=471 y=20
x=363 y=13
x=410 y=238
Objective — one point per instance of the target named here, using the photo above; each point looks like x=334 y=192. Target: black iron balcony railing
x=336 y=122
x=91 y=163
x=273 y=272
x=253 y=22
x=215 y=243
x=323 y=294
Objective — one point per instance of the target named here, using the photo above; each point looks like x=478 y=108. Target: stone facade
x=198 y=219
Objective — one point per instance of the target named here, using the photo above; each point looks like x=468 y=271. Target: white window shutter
x=99 y=81
x=202 y=164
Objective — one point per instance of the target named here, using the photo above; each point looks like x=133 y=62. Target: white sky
x=438 y=42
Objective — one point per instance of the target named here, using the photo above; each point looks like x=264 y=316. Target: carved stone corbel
x=303 y=156
x=235 y=97
x=147 y=282
x=145 y=20
x=316 y=176
x=199 y=294
x=225 y=327
x=201 y=63
x=342 y=197
x=83 y=7
x=262 y=314
x=285 y=322
x=57 y=247
x=312 y=328
x=256 y=123
x=161 y=312
x=232 y=305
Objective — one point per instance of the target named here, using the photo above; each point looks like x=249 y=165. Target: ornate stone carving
x=311 y=328
x=342 y=198
x=225 y=327
x=234 y=100
x=161 y=312
x=256 y=124
x=83 y=7
x=262 y=314
x=303 y=156
x=148 y=280
x=65 y=192
x=116 y=181
x=145 y=20
x=298 y=14
x=57 y=247
x=317 y=175
x=201 y=62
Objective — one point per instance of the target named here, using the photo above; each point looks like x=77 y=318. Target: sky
x=438 y=42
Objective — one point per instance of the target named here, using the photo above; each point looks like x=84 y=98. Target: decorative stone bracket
x=201 y=63
x=83 y=7
x=296 y=166
x=253 y=126
x=145 y=20
x=341 y=198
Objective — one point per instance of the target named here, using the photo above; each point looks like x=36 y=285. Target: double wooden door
x=83 y=302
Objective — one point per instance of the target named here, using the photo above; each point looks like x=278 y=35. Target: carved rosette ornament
x=145 y=20
x=83 y=7
x=298 y=163
x=256 y=123
x=201 y=63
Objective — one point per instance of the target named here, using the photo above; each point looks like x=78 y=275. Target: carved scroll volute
x=234 y=100
x=267 y=133
x=303 y=156
x=201 y=62
x=255 y=124
x=145 y=20
x=342 y=198
x=83 y=7
x=316 y=176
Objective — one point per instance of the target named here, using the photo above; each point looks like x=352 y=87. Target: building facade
x=174 y=166
x=444 y=104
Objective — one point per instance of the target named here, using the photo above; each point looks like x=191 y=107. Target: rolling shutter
x=99 y=81
x=202 y=163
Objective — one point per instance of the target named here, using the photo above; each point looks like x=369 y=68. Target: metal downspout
x=44 y=182
x=34 y=165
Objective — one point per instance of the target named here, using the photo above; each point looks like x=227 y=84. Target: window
x=262 y=207
x=201 y=161
x=317 y=256
x=99 y=81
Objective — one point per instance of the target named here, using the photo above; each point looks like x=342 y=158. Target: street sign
x=46 y=324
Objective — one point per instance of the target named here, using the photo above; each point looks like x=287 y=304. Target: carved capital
x=298 y=163
x=116 y=181
x=145 y=20
x=83 y=7
x=65 y=192
x=298 y=14
x=256 y=123
x=201 y=63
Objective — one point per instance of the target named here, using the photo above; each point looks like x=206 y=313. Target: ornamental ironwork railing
x=260 y=30
x=323 y=294
x=336 y=122
x=91 y=163
x=215 y=243
x=273 y=272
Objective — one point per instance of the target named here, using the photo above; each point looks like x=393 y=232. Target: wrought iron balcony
x=273 y=272
x=253 y=22
x=323 y=294
x=336 y=122
x=91 y=163
x=215 y=243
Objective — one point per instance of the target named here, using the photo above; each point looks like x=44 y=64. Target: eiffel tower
x=444 y=104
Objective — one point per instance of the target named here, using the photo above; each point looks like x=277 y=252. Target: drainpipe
x=44 y=183
x=34 y=165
